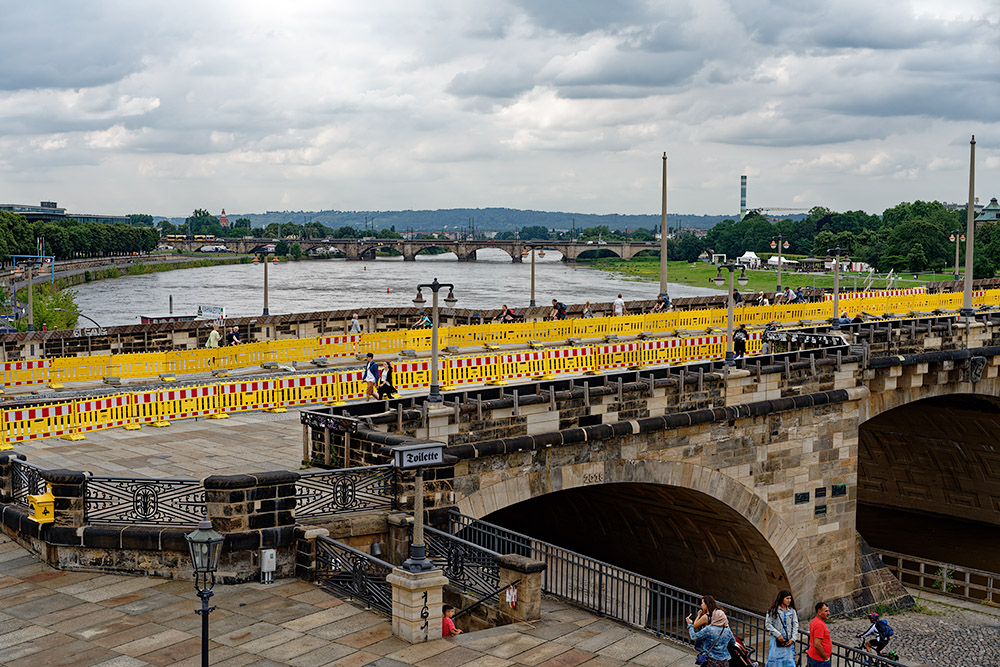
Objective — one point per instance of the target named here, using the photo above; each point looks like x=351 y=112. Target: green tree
x=296 y=251
x=916 y=260
x=534 y=233
x=688 y=248
x=346 y=232
x=202 y=222
x=281 y=248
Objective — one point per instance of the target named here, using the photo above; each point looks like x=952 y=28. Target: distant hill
x=485 y=219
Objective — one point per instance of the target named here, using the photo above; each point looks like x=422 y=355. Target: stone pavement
x=50 y=617
x=244 y=443
x=950 y=633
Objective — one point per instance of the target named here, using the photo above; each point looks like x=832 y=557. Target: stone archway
x=760 y=530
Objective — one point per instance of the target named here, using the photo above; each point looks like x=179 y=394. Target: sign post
x=415 y=457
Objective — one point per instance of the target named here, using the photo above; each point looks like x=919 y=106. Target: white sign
x=418 y=456
x=211 y=312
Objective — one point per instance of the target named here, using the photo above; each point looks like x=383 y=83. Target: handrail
x=636 y=599
x=943 y=580
x=354 y=573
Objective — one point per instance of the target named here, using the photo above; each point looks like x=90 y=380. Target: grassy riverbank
x=701 y=274
x=50 y=296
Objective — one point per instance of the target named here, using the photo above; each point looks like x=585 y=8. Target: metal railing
x=344 y=491
x=955 y=580
x=26 y=480
x=139 y=501
x=354 y=573
x=629 y=597
x=469 y=565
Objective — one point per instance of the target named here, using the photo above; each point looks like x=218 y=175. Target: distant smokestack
x=743 y=196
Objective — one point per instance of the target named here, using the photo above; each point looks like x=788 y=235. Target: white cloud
x=513 y=103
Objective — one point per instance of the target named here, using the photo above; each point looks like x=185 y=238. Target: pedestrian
x=820 y=642
x=712 y=638
x=370 y=375
x=740 y=341
x=447 y=625
x=355 y=326
x=385 y=386
x=619 y=307
x=213 y=337
x=558 y=311
x=661 y=305
x=588 y=313
x=783 y=624
x=709 y=613
x=230 y=336
x=737 y=297
x=236 y=336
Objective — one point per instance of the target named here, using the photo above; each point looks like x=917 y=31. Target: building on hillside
x=48 y=211
x=990 y=213
x=223 y=220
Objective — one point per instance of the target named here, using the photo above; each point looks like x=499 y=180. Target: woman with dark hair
x=714 y=636
x=385 y=387
x=782 y=623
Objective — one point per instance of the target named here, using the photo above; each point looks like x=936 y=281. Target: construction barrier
x=490 y=369
x=25 y=372
x=47 y=421
x=879 y=293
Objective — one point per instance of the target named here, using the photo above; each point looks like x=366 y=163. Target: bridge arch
x=930 y=467
x=737 y=547
x=596 y=252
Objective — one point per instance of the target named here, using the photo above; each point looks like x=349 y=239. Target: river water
x=307 y=286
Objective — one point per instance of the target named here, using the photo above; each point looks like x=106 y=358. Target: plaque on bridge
x=418 y=456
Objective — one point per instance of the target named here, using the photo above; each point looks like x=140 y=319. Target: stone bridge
x=734 y=483
x=360 y=249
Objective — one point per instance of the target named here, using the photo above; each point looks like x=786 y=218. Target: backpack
x=884 y=629
x=561 y=308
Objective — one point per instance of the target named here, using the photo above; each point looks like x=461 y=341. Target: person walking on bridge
x=619 y=306
x=213 y=337
x=820 y=642
x=782 y=623
x=355 y=326
x=370 y=375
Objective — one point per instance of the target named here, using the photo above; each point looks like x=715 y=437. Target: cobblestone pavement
x=949 y=637
x=51 y=617
x=244 y=443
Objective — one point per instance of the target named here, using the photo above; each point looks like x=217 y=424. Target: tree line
x=67 y=239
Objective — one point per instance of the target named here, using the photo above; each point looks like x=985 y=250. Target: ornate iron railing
x=331 y=492
x=354 y=573
x=629 y=597
x=138 y=501
x=468 y=565
x=26 y=480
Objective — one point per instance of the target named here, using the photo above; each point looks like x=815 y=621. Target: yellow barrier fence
x=96 y=367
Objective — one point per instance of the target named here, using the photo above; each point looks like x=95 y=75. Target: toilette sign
x=418 y=456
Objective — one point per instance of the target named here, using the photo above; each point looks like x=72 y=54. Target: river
x=307 y=286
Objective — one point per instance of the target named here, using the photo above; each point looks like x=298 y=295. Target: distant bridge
x=361 y=249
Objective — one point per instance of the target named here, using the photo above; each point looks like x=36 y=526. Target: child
x=447 y=625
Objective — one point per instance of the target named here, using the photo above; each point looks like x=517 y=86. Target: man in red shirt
x=820 y=642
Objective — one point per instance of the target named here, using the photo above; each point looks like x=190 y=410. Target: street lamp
x=779 y=243
x=531 y=303
x=419 y=301
x=664 y=286
x=836 y=284
x=956 y=239
x=970 y=229
x=719 y=279
x=73 y=312
x=205 y=545
x=256 y=260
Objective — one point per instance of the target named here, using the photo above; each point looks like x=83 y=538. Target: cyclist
x=877 y=636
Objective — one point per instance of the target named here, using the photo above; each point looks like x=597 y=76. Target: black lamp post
x=205 y=545
x=531 y=301
x=956 y=237
x=779 y=242
x=73 y=312
x=719 y=279
x=419 y=301
x=836 y=252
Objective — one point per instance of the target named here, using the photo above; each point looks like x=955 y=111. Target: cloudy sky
x=117 y=107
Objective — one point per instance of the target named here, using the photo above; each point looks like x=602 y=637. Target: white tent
x=773 y=261
x=749 y=259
